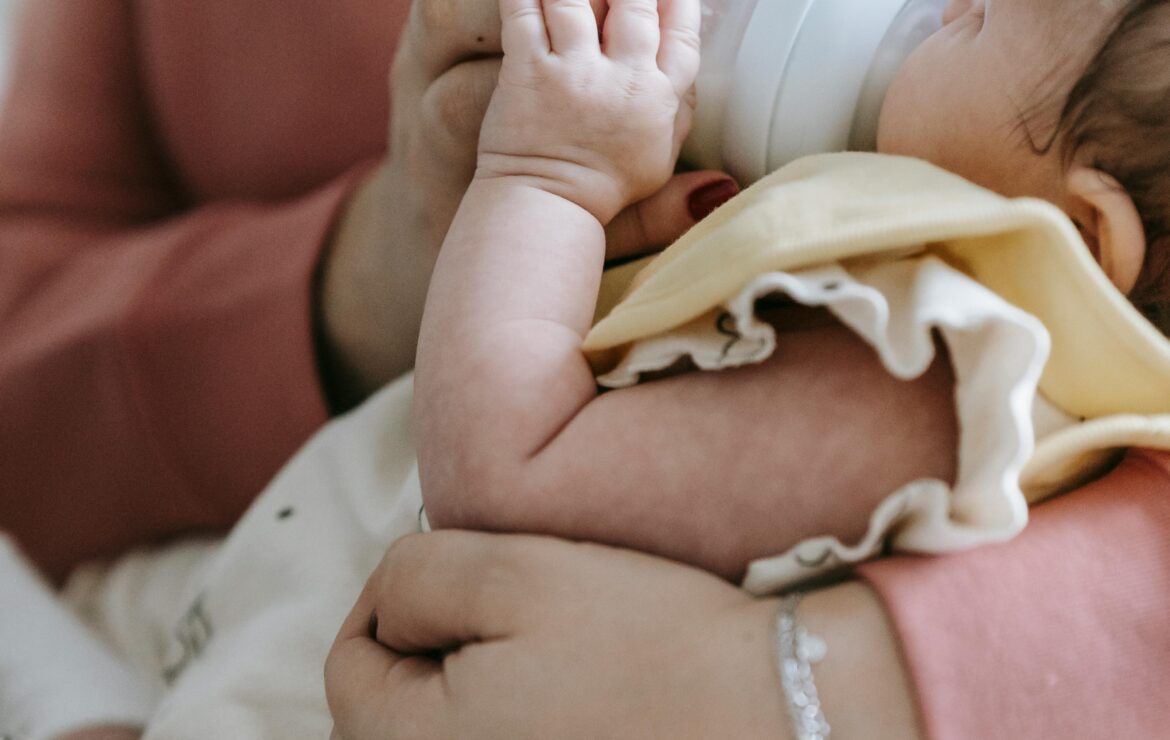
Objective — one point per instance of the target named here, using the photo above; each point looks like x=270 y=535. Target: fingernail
x=372 y=626
x=709 y=197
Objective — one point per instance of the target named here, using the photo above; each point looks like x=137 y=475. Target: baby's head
x=1066 y=100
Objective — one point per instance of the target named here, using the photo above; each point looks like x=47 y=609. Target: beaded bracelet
x=798 y=650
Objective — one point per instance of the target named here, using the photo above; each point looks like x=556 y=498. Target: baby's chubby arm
x=716 y=469
x=712 y=469
x=581 y=124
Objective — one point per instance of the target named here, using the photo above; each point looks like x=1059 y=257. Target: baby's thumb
x=657 y=221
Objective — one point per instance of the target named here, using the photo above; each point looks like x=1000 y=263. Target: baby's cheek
x=890 y=132
x=911 y=105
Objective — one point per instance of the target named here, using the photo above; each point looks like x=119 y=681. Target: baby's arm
x=711 y=469
x=717 y=469
x=577 y=128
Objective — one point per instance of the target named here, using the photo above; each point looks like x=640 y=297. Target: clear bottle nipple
x=917 y=20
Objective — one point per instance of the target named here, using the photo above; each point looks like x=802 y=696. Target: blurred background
x=6 y=12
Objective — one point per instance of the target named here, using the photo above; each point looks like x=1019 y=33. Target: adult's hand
x=374 y=276
x=442 y=80
x=461 y=635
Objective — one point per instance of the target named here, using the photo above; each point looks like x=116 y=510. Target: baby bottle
x=784 y=78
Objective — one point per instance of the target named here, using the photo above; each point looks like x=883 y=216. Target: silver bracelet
x=798 y=650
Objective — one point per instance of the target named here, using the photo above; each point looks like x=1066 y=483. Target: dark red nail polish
x=372 y=626
x=709 y=197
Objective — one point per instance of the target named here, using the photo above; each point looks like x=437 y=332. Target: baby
x=511 y=431
x=1045 y=98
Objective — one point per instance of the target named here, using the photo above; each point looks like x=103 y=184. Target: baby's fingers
x=678 y=54
x=522 y=29
x=631 y=30
x=572 y=27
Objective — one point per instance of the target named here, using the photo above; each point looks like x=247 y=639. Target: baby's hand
x=597 y=118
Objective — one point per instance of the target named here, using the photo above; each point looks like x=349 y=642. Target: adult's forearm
x=373 y=284
x=861 y=682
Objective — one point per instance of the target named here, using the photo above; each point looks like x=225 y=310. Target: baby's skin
x=588 y=117
x=512 y=432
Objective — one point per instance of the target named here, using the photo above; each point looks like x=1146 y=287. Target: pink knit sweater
x=169 y=172
x=1061 y=633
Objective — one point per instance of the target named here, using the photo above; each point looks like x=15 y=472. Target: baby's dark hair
x=1117 y=119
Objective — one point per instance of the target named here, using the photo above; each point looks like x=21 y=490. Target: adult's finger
x=440 y=590
x=665 y=216
x=454 y=105
x=442 y=33
x=373 y=692
x=430 y=592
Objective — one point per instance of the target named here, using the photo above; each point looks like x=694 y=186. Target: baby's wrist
x=581 y=186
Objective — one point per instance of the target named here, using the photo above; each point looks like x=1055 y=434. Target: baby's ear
x=1110 y=223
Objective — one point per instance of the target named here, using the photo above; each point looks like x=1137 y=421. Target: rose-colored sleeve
x=1061 y=633
x=155 y=368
